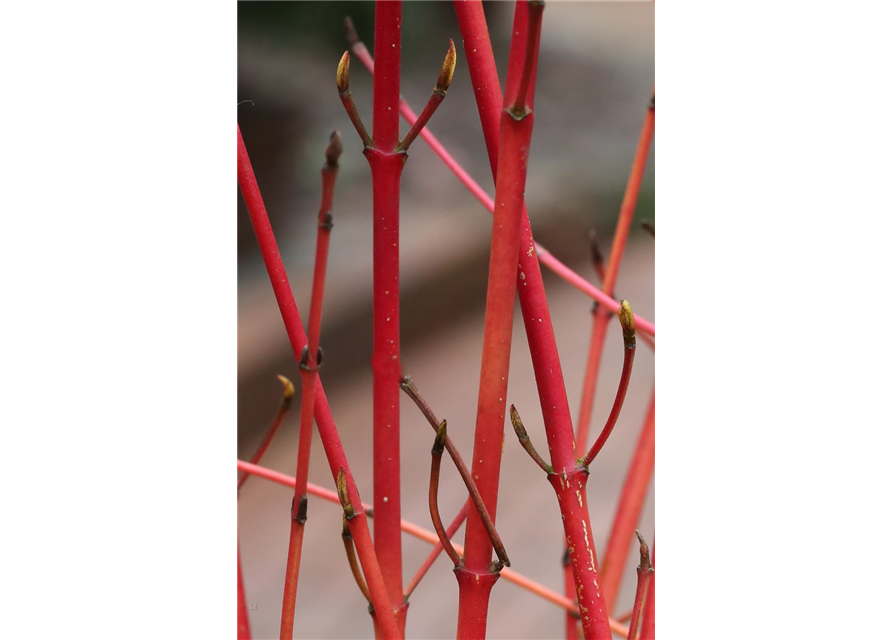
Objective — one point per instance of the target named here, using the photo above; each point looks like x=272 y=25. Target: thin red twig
x=309 y=365
x=629 y=353
x=648 y=616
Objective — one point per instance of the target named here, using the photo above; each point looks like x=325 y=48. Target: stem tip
x=628 y=320
x=341 y=77
x=288 y=392
x=644 y=555
x=333 y=150
x=446 y=72
x=520 y=431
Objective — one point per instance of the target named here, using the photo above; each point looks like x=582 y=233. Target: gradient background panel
x=774 y=457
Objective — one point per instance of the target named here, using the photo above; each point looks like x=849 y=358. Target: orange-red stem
x=647 y=632
x=629 y=508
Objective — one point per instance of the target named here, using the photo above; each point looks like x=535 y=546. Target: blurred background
x=596 y=73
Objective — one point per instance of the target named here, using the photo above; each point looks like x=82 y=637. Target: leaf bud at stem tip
x=520 y=431
x=628 y=320
x=644 y=555
x=341 y=77
x=334 y=148
x=288 y=391
x=446 y=72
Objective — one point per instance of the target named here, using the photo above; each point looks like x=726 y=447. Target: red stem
x=244 y=630
x=476 y=577
x=629 y=509
x=570 y=484
x=309 y=377
x=328 y=432
x=386 y=165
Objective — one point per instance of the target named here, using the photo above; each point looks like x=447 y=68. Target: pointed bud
x=341 y=486
x=520 y=431
x=446 y=72
x=341 y=76
x=644 y=555
x=288 y=392
x=440 y=438
x=333 y=150
x=628 y=320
